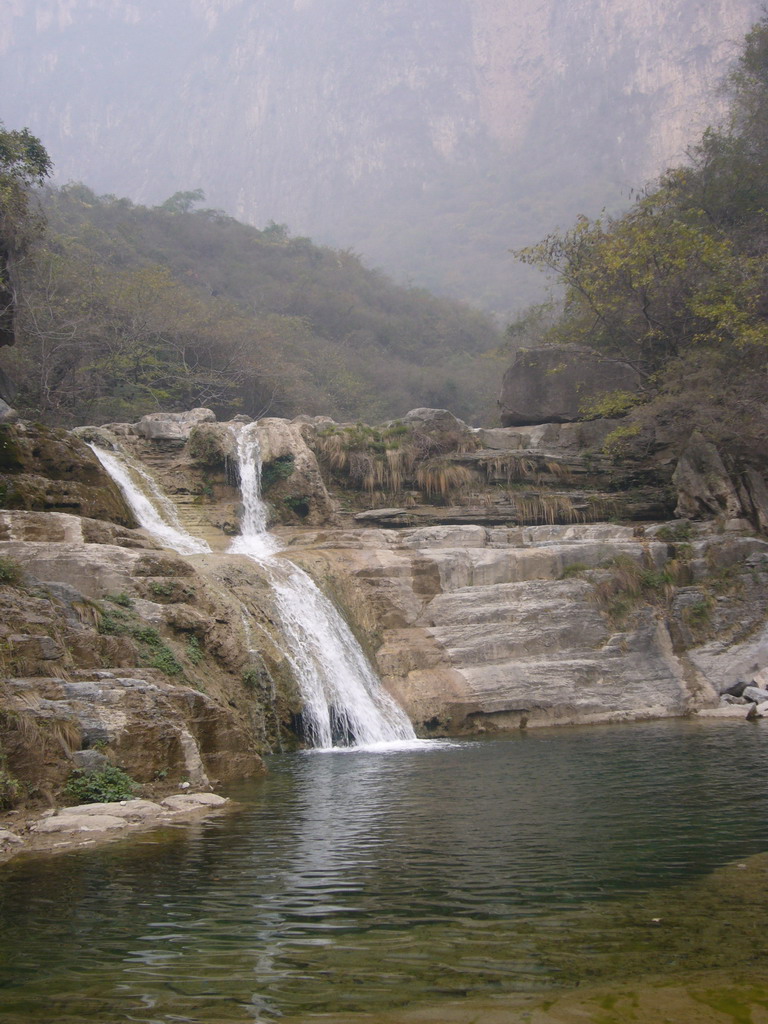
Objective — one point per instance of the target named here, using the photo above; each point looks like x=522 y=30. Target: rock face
x=495 y=614
x=113 y=647
x=378 y=124
x=553 y=384
x=476 y=628
x=44 y=469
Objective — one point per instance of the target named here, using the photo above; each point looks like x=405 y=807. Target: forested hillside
x=128 y=309
x=678 y=286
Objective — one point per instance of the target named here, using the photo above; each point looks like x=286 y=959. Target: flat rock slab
x=136 y=810
x=8 y=838
x=79 y=823
x=727 y=711
x=192 y=801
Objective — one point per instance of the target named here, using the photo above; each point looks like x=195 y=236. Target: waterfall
x=153 y=509
x=344 y=702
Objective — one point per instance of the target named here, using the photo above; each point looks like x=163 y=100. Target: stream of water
x=376 y=884
x=344 y=702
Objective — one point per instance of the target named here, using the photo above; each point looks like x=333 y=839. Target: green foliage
x=11 y=573
x=162 y=589
x=252 y=679
x=610 y=406
x=24 y=163
x=278 y=469
x=298 y=504
x=108 y=785
x=629 y=584
x=681 y=531
x=677 y=287
x=10 y=789
x=122 y=599
x=153 y=650
x=574 y=569
x=194 y=651
x=699 y=614
x=130 y=309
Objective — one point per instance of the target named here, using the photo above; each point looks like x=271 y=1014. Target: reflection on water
x=368 y=881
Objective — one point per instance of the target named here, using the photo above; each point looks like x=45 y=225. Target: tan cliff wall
x=431 y=138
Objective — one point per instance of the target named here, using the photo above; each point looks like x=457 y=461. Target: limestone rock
x=80 y=823
x=44 y=469
x=727 y=711
x=7 y=414
x=550 y=385
x=704 y=487
x=487 y=629
x=439 y=421
x=755 y=694
x=8 y=838
x=192 y=801
x=172 y=426
x=130 y=810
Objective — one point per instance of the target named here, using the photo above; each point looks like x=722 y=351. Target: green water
x=370 y=884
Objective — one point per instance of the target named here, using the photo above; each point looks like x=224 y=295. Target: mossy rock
x=48 y=470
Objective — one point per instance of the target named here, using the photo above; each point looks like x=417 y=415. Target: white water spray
x=344 y=702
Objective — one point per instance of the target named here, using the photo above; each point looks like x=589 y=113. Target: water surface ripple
x=357 y=881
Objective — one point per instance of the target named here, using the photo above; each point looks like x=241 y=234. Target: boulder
x=7 y=414
x=756 y=695
x=551 y=385
x=172 y=426
x=437 y=420
x=192 y=801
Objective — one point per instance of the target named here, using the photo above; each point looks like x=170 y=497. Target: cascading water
x=153 y=510
x=344 y=702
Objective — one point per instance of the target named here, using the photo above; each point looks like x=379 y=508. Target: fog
x=429 y=137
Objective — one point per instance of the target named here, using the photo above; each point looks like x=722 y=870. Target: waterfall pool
x=454 y=881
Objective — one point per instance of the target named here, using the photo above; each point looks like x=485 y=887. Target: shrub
x=109 y=785
x=10 y=572
x=681 y=531
x=574 y=569
x=279 y=469
x=10 y=789
x=124 y=600
x=194 y=651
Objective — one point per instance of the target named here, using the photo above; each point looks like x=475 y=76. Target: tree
x=24 y=163
x=677 y=287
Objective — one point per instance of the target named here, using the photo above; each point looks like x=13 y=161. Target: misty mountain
x=429 y=137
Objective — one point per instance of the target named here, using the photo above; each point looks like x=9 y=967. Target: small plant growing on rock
x=194 y=651
x=574 y=569
x=279 y=469
x=675 y=531
x=10 y=572
x=124 y=600
x=10 y=789
x=109 y=785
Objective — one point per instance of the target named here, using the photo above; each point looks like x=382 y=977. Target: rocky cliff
x=430 y=137
x=479 y=568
